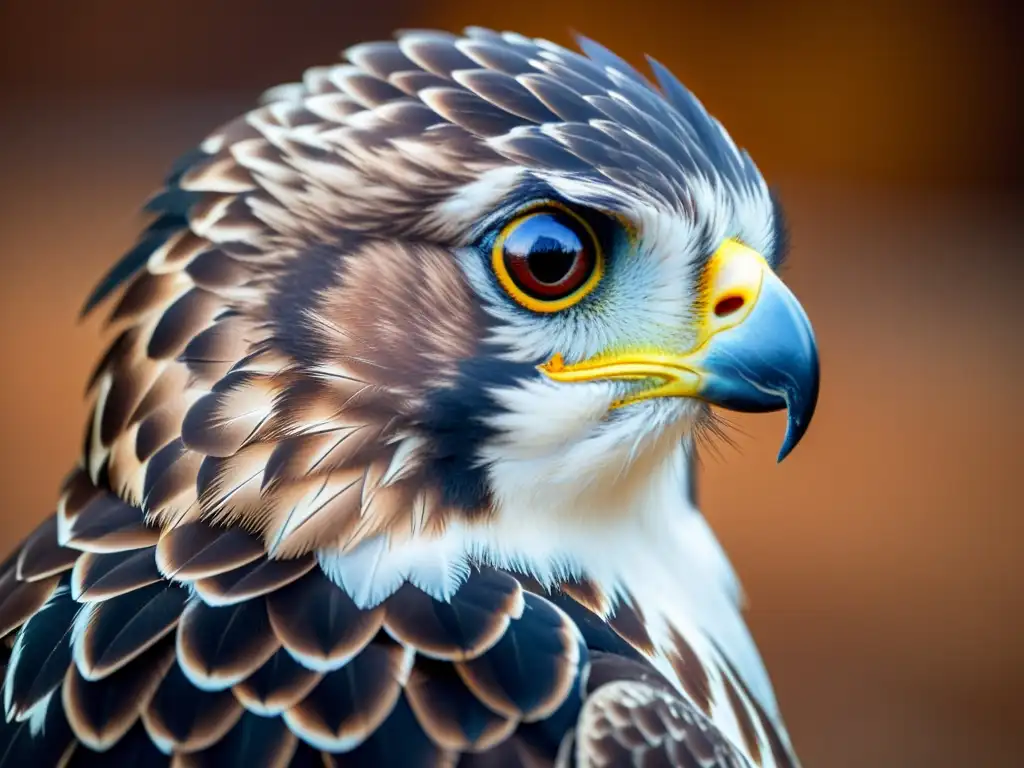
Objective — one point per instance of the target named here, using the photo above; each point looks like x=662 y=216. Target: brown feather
x=628 y=722
x=532 y=670
x=224 y=645
x=118 y=630
x=219 y=174
x=108 y=525
x=166 y=393
x=280 y=684
x=690 y=671
x=318 y=622
x=101 y=712
x=98 y=577
x=182 y=717
x=444 y=706
x=198 y=550
x=740 y=707
x=21 y=599
x=213 y=351
x=151 y=291
x=175 y=255
x=170 y=496
x=472 y=621
x=348 y=704
x=252 y=741
x=628 y=622
x=218 y=272
x=257 y=578
x=41 y=556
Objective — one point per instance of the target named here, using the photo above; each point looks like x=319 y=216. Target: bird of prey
x=390 y=458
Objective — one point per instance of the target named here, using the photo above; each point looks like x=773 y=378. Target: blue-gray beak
x=755 y=349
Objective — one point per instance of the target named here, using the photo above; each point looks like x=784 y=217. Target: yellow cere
x=730 y=287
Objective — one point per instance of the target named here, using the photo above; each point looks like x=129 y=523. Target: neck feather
x=656 y=553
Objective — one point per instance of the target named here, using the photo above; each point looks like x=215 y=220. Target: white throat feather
x=640 y=540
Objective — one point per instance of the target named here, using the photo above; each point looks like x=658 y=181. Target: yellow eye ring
x=548 y=259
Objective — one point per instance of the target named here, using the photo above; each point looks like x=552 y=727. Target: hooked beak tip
x=759 y=356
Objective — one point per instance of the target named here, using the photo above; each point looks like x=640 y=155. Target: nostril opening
x=728 y=305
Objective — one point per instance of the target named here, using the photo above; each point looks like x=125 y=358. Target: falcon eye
x=547 y=260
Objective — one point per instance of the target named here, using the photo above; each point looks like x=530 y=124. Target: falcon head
x=454 y=285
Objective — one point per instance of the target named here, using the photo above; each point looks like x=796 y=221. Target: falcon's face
x=603 y=320
x=458 y=278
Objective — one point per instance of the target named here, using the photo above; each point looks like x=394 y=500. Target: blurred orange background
x=884 y=560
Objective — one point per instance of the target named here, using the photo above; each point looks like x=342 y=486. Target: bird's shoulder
x=125 y=644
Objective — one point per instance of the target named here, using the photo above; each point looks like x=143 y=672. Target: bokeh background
x=885 y=559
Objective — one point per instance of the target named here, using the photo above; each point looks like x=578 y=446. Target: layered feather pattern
x=256 y=376
x=259 y=403
x=198 y=649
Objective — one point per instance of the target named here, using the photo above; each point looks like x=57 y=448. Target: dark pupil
x=546 y=248
x=550 y=259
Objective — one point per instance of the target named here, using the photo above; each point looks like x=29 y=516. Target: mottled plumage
x=329 y=511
